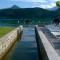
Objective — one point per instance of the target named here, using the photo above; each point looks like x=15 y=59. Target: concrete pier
x=47 y=44
x=7 y=41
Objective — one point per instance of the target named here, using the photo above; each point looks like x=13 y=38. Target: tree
x=56 y=21
x=58 y=3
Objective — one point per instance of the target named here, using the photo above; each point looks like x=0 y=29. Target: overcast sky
x=28 y=3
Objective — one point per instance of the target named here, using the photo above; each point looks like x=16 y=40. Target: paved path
x=50 y=43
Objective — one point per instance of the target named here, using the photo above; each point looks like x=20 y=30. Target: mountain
x=15 y=7
x=53 y=9
x=32 y=14
x=16 y=12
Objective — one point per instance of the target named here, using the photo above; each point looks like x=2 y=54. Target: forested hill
x=26 y=13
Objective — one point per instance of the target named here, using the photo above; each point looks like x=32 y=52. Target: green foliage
x=26 y=13
x=5 y=30
x=33 y=15
x=30 y=14
x=58 y=3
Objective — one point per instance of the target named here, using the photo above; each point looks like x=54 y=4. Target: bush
x=58 y=3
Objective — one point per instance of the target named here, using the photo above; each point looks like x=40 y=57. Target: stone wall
x=7 y=41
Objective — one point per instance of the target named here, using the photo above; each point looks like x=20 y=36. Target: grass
x=5 y=30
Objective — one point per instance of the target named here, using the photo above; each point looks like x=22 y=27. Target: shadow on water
x=25 y=48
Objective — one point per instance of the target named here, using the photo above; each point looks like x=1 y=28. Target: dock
x=49 y=45
x=36 y=43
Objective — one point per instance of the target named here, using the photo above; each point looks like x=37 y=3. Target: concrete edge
x=50 y=51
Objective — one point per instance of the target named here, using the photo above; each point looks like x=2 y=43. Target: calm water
x=24 y=49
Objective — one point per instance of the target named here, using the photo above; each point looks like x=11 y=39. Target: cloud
x=42 y=3
x=51 y=5
x=36 y=0
x=48 y=4
x=29 y=0
x=45 y=5
x=37 y=3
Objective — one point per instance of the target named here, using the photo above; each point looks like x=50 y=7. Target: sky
x=28 y=3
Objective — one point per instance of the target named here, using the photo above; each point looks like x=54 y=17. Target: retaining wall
x=7 y=41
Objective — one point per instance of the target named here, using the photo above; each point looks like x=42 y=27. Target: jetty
x=48 y=44
x=36 y=43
